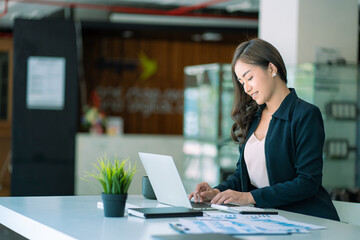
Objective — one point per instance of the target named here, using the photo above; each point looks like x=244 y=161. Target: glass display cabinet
x=210 y=154
x=208 y=99
x=335 y=90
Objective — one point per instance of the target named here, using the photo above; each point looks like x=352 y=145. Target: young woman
x=281 y=140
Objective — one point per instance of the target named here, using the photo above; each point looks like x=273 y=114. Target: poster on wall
x=45 y=87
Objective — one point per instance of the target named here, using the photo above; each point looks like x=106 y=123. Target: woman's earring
x=274 y=75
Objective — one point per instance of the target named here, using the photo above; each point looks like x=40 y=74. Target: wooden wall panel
x=4 y=151
x=6 y=45
x=171 y=54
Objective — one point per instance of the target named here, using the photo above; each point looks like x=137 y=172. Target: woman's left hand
x=234 y=197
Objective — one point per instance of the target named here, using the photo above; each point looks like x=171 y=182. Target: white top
x=254 y=154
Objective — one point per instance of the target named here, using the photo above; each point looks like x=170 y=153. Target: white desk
x=77 y=217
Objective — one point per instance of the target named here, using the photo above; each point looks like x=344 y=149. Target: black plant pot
x=114 y=204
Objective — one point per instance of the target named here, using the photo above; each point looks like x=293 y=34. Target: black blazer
x=293 y=151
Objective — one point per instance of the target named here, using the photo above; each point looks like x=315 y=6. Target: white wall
x=328 y=23
x=297 y=27
x=278 y=21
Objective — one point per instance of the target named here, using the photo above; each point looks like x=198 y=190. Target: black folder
x=164 y=212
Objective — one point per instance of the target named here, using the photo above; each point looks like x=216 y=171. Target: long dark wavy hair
x=260 y=53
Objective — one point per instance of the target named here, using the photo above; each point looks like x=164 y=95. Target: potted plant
x=115 y=180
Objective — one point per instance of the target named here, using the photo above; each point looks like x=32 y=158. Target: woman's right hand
x=203 y=193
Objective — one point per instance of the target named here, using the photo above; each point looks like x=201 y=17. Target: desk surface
x=77 y=217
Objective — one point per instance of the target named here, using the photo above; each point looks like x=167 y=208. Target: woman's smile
x=253 y=95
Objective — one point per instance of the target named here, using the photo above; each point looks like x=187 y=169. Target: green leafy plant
x=114 y=177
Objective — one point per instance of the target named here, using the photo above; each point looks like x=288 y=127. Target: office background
x=155 y=75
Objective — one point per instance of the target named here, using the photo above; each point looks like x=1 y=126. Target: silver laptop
x=166 y=181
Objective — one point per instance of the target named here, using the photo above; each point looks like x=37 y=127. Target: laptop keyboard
x=202 y=206
x=236 y=208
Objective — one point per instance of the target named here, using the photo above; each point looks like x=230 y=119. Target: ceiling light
x=245 y=6
x=213 y=37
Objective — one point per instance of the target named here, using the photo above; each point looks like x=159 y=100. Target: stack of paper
x=233 y=224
